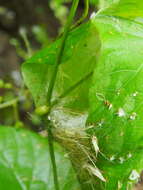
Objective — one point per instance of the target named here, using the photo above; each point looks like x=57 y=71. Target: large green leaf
x=116 y=90
x=25 y=162
x=116 y=95
x=78 y=60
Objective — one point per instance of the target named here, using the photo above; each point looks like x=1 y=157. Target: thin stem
x=51 y=87
x=52 y=154
x=84 y=15
x=27 y=44
x=26 y=41
x=72 y=88
x=61 y=49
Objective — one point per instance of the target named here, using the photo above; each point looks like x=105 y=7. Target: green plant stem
x=72 y=88
x=50 y=136
x=51 y=87
x=84 y=15
x=16 y=113
x=82 y=18
x=26 y=41
x=27 y=44
x=61 y=49
x=52 y=154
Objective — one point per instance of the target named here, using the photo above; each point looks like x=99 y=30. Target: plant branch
x=51 y=87
x=84 y=15
x=52 y=154
x=72 y=88
x=26 y=41
x=61 y=49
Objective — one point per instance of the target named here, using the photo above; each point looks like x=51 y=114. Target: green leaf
x=131 y=9
x=116 y=90
x=78 y=60
x=25 y=162
x=93 y=2
x=116 y=95
x=105 y=3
